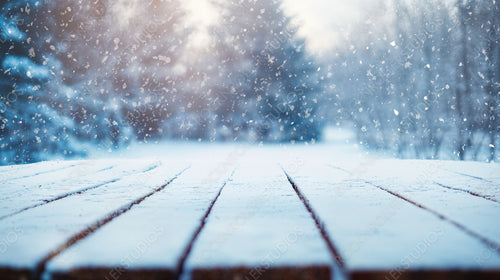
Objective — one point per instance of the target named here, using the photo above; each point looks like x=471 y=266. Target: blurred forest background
x=415 y=79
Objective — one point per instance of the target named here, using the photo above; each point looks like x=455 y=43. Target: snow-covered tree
x=268 y=85
x=422 y=82
x=122 y=59
x=31 y=127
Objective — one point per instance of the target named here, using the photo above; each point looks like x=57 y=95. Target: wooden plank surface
x=23 y=194
x=332 y=217
x=259 y=228
x=150 y=241
x=477 y=170
x=17 y=186
x=16 y=172
x=380 y=236
x=486 y=187
x=473 y=213
x=39 y=233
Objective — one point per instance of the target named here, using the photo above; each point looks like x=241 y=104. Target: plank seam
x=43 y=172
x=484 y=240
x=47 y=201
x=467 y=191
x=71 y=179
x=40 y=268
x=78 y=192
x=187 y=251
x=319 y=224
x=490 y=244
x=466 y=175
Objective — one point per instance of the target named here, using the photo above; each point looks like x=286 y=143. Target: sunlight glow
x=125 y=11
x=202 y=16
x=324 y=23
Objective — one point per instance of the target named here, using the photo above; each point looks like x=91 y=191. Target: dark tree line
x=417 y=78
x=83 y=75
x=266 y=87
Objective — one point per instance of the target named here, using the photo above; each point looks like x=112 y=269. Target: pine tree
x=120 y=59
x=271 y=85
x=30 y=127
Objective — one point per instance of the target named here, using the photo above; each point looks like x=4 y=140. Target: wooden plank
x=158 y=231
x=12 y=187
x=478 y=170
x=447 y=274
x=478 y=179
x=259 y=228
x=231 y=273
x=487 y=187
x=92 y=174
x=34 y=236
x=380 y=236
x=474 y=214
x=21 y=193
x=16 y=172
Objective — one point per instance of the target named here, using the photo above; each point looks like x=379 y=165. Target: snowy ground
x=340 y=142
x=195 y=211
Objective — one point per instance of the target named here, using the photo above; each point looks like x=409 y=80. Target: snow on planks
x=15 y=172
x=34 y=236
x=381 y=236
x=468 y=210
x=147 y=219
x=21 y=195
x=151 y=241
x=259 y=229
